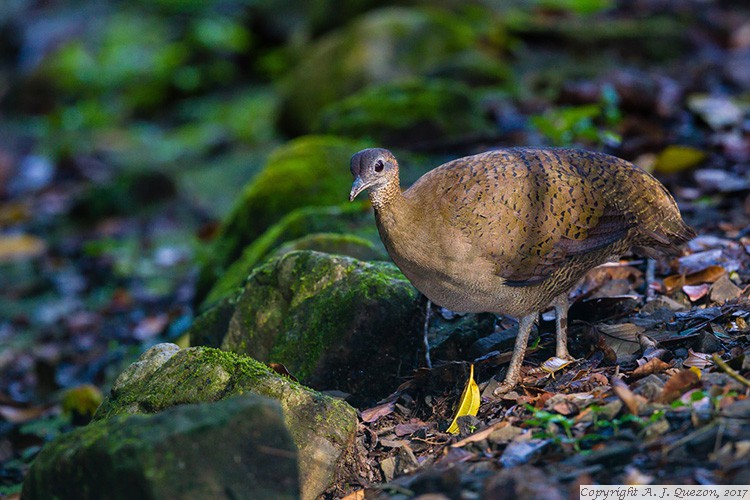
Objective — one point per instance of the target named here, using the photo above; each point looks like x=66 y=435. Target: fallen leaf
x=676 y=158
x=281 y=369
x=698 y=360
x=677 y=384
x=717 y=111
x=480 y=435
x=654 y=365
x=622 y=337
x=631 y=399
x=355 y=495
x=469 y=403
x=372 y=414
x=15 y=247
x=696 y=292
x=708 y=275
x=409 y=428
x=554 y=364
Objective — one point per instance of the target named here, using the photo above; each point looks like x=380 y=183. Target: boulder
x=333 y=321
x=308 y=171
x=350 y=219
x=322 y=428
x=173 y=454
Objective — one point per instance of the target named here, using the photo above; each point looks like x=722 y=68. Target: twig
x=427 y=315
x=729 y=371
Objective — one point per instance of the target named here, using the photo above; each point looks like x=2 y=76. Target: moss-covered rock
x=173 y=454
x=351 y=219
x=323 y=428
x=385 y=45
x=401 y=113
x=335 y=322
x=337 y=244
x=308 y=171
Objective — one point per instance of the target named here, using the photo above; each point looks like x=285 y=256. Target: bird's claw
x=503 y=388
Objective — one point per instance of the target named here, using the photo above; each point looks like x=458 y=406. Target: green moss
x=407 y=111
x=351 y=218
x=381 y=46
x=308 y=171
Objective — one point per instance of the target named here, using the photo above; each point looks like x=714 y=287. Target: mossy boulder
x=406 y=112
x=308 y=171
x=349 y=219
x=337 y=244
x=386 y=45
x=322 y=428
x=173 y=454
x=333 y=321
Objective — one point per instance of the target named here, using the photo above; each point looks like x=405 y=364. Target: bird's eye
x=379 y=166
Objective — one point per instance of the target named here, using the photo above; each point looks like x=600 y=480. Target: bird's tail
x=665 y=239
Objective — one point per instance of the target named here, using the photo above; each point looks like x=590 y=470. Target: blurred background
x=128 y=131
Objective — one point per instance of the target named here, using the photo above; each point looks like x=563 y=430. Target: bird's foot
x=503 y=388
x=565 y=355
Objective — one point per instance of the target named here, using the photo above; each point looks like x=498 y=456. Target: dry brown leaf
x=479 y=436
x=409 y=428
x=697 y=359
x=677 y=384
x=654 y=365
x=355 y=495
x=707 y=275
x=372 y=414
x=623 y=338
x=628 y=397
x=696 y=292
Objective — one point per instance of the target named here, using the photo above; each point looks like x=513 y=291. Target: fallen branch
x=729 y=371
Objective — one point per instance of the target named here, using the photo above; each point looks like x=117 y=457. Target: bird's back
x=532 y=211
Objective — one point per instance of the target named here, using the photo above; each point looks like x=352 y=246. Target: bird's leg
x=561 y=326
x=650 y=278
x=427 y=314
x=519 y=351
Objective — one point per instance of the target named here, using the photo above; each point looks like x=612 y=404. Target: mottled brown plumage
x=512 y=231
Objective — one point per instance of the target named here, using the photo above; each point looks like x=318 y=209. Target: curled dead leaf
x=628 y=397
x=698 y=360
x=469 y=403
x=654 y=365
x=677 y=384
x=554 y=364
x=696 y=292
x=372 y=414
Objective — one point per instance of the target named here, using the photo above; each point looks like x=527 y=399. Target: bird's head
x=373 y=169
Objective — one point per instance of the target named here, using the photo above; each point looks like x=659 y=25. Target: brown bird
x=511 y=231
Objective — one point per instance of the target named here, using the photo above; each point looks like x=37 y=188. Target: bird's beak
x=357 y=187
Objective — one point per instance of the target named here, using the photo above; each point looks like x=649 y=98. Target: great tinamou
x=511 y=231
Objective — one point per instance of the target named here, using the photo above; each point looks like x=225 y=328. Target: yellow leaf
x=20 y=246
x=676 y=158
x=469 y=404
x=696 y=370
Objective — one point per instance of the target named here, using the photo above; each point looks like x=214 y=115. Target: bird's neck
x=386 y=198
